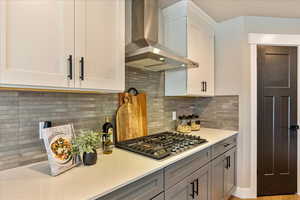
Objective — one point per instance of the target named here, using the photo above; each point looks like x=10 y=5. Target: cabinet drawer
x=144 y=189
x=223 y=146
x=179 y=170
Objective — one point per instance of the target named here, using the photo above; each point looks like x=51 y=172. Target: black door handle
x=193 y=191
x=70 y=59
x=82 y=68
x=294 y=127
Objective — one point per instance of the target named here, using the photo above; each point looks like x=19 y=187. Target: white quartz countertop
x=111 y=172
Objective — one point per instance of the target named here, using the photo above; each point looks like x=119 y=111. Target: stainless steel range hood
x=144 y=51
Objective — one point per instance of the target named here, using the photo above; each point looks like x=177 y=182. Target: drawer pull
x=70 y=59
x=226 y=145
x=193 y=190
x=202 y=86
x=81 y=68
x=197 y=188
x=228 y=162
x=226 y=167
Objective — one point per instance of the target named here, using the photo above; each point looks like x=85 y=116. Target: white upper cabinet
x=100 y=42
x=37 y=38
x=189 y=32
x=43 y=42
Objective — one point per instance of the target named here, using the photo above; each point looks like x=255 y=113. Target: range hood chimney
x=144 y=51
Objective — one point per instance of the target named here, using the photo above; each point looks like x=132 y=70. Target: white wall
x=272 y=25
x=228 y=41
x=230 y=35
x=233 y=72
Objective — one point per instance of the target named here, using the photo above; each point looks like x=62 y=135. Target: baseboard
x=244 y=193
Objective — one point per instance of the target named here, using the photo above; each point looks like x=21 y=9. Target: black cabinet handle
x=193 y=191
x=229 y=162
x=197 y=188
x=226 y=145
x=226 y=167
x=81 y=68
x=70 y=59
x=202 y=86
x=205 y=86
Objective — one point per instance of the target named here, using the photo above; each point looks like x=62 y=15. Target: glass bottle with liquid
x=107 y=136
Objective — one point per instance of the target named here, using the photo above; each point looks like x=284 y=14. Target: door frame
x=255 y=39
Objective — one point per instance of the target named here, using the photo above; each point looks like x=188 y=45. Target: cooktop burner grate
x=161 y=145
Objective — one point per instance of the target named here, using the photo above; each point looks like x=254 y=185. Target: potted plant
x=85 y=145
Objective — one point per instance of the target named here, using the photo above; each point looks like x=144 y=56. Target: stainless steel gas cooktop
x=161 y=145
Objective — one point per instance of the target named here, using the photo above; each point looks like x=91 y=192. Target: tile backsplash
x=20 y=113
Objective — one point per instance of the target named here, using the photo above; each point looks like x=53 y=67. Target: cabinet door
x=36 y=39
x=230 y=173
x=217 y=178
x=189 y=34
x=201 y=50
x=181 y=191
x=203 y=183
x=175 y=34
x=100 y=40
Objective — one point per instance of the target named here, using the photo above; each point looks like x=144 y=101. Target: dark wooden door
x=277 y=113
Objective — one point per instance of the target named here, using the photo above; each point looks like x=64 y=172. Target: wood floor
x=285 y=197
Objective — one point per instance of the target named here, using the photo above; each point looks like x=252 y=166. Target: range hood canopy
x=145 y=51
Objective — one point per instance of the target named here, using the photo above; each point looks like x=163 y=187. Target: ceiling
x=221 y=10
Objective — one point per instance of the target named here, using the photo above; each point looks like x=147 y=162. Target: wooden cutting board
x=131 y=117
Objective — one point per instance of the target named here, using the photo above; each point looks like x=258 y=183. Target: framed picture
x=58 y=142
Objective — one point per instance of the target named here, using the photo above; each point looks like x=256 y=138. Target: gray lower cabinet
x=224 y=175
x=194 y=187
x=144 y=189
x=206 y=175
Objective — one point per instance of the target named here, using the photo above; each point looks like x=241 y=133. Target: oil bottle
x=107 y=136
